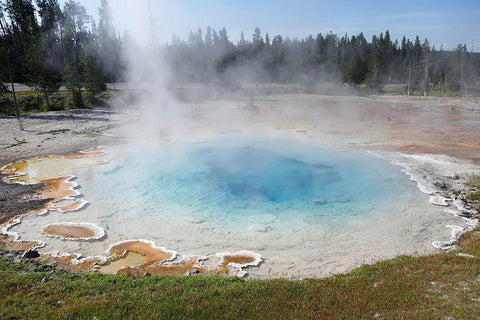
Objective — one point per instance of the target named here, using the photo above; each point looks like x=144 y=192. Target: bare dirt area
x=54 y=132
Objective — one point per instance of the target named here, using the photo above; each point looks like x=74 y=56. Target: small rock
x=60 y=303
x=147 y=274
x=440 y=184
x=30 y=254
x=192 y=272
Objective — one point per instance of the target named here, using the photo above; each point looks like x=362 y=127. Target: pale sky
x=441 y=21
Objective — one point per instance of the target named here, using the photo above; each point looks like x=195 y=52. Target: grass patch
x=474 y=181
x=474 y=196
x=431 y=287
x=34 y=101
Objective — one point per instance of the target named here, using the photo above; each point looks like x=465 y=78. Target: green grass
x=34 y=101
x=474 y=182
x=474 y=195
x=430 y=287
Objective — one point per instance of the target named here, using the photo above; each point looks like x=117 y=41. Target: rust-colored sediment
x=18 y=166
x=11 y=244
x=153 y=254
x=154 y=257
x=74 y=206
x=233 y=259
x=82 y=154
x=59 y=188
x=70 y=232
x=18 y=171
x=71 y=263
x=156 y=261
x=178 y=268
x=237 y=259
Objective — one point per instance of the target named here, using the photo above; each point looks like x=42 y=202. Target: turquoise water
x=307 y=210
x=226 y=182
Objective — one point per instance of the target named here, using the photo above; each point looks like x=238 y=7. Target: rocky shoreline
x=19 y=256
x=16 y=199
x=446 y=180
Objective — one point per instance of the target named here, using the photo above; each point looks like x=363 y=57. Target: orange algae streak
x=178 y=268
x=231 y=263
x=153 y=253
x=19 y=166
x=238 y=260
x=82 y=154
x=11 y=244
x=71 y=262
x=74 y=206
x=154 y=261
x=19 y=170
x=234 y=263
x=70 y=232
x=59 y=188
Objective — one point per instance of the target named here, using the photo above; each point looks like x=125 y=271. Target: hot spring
x=307 y=210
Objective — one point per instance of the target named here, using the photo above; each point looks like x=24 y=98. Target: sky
x=443 y=22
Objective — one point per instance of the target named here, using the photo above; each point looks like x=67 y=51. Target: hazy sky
x=441 y=21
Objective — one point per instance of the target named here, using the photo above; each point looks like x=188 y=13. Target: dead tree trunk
x=425 y=78
x=15 y=103
x=409 y=78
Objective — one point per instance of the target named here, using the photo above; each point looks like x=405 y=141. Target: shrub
x=56 y=106
x=29 y=104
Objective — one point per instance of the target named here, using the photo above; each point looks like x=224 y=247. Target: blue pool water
x=224 y=181
x=307 y=210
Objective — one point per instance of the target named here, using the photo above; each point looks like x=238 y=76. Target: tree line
x=417 y=65
x=45 y=46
